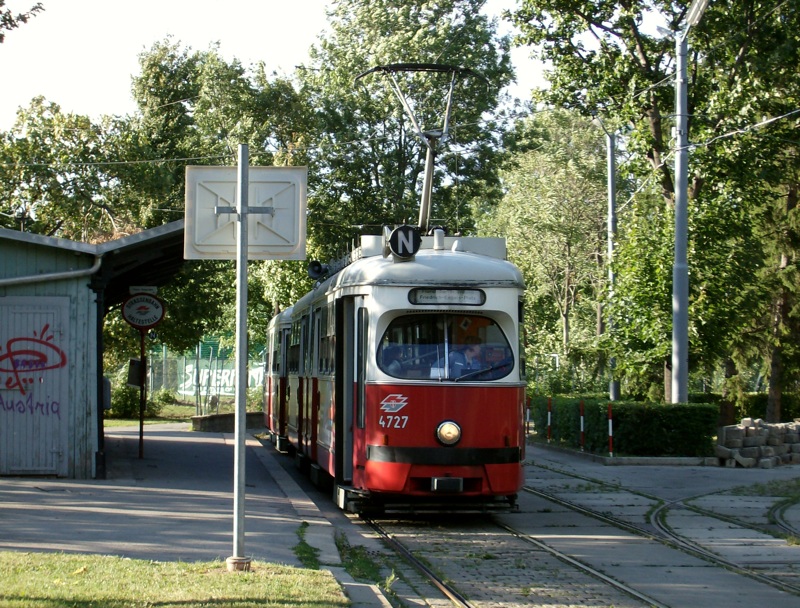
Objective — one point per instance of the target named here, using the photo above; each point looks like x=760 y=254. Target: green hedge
x=755 y=406
x=639 y=429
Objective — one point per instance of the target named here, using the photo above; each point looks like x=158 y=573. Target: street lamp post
x=680 y=268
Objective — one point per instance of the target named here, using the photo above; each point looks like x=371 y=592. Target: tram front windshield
x=445 y=346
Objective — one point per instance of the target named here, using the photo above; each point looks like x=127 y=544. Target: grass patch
x=308 y=555
x=363 y=565
x=785 y=488
x=169 y=413
x=357 y=561
x=173 y=412
x=53 y=580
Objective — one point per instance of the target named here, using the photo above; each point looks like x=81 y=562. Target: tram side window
x=293 y=360
x=276 y=357
x=326 y=342
x=306 y=345
x=445 y=347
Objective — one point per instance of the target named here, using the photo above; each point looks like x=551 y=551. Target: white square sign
x=276 y=226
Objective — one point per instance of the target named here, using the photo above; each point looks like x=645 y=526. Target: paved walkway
x=177 y=502
x=174 y=504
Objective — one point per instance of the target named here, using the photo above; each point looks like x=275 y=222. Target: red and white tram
x=400 y=377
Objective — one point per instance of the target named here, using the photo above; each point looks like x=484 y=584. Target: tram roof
x=482 y=265
x=442 y=268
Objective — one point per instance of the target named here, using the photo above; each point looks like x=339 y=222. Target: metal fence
x=207 y=377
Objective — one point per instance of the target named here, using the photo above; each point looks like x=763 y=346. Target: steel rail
x=777 y=514
x=448 y=590
x=671 y=539
x=610 y=581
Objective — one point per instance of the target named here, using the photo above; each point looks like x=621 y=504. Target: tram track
x=778 y=514
x=628 y=590
x=664 y=534
x=551 y=553
x=437 y=548
x=559 y=584
x=447 y=590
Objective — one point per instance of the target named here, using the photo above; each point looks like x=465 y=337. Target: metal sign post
x=142 y=311
x=238 y=561
x=218 y=230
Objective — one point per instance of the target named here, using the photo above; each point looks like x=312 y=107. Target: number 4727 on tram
x=399 y=380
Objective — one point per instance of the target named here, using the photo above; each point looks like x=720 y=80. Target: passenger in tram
x=391 y=360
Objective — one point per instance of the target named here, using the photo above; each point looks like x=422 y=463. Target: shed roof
x=150 y=257
x=47 y=241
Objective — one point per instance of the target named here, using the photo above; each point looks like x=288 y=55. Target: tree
x=607 y=60
x=10 y=21
x=53 y=175
x=555 y=198
x=63 y=175
x=368 y=159
x=195 y=109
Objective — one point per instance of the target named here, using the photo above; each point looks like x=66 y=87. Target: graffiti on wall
x=217 y=379
x=25 y=359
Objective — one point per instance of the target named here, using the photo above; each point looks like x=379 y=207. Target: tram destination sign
x=143 y=310
x=468 y=297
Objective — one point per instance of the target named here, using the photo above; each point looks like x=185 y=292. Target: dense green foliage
x=539 y=181
x=555 y=197
x=609 y=60
x=754 y=405
x=126 y=403
x=367 y=158
x=639 y=429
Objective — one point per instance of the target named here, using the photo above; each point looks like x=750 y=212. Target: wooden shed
x=54 y=294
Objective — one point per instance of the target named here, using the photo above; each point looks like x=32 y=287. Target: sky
x=82 y=54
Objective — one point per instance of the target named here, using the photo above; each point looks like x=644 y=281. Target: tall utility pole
x=680 y=267
x=611 y=152
x=611 y=235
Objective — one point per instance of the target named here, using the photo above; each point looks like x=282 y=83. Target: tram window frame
x=276 y=358
x=362 y=325
x=316 y=343
x=449 y=334
x=306 y=360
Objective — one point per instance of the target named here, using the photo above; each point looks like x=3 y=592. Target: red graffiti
x=26 y=357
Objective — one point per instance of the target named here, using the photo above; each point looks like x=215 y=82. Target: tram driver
x=468 y=359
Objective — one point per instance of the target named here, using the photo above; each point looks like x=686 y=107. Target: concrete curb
x=320 y=533
x=665 y=461
x=362 y=595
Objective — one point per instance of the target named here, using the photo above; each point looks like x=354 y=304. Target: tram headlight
x=448 y=433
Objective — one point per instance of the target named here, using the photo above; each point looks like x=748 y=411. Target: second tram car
x=400 y=378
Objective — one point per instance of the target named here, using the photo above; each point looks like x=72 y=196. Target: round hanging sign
x=143 y=310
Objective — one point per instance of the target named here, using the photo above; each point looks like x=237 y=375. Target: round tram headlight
x=448 y=433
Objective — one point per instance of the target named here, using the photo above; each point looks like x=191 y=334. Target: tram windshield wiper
x=483 y=370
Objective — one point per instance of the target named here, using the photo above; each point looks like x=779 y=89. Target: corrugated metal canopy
x=152 y=257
